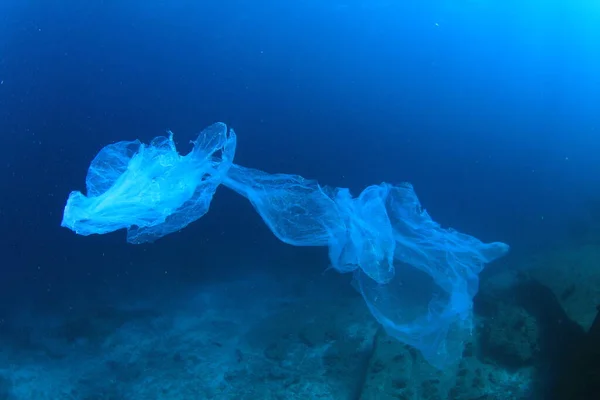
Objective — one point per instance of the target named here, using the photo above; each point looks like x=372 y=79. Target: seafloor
x=264 y=337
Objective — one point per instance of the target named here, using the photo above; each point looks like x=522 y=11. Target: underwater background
x=489 y=108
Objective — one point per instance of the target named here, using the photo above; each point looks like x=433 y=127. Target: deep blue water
x=489 y=108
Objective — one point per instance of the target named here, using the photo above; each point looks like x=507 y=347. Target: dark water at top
x=489 y=109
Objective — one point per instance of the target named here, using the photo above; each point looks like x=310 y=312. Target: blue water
x=490 y=110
